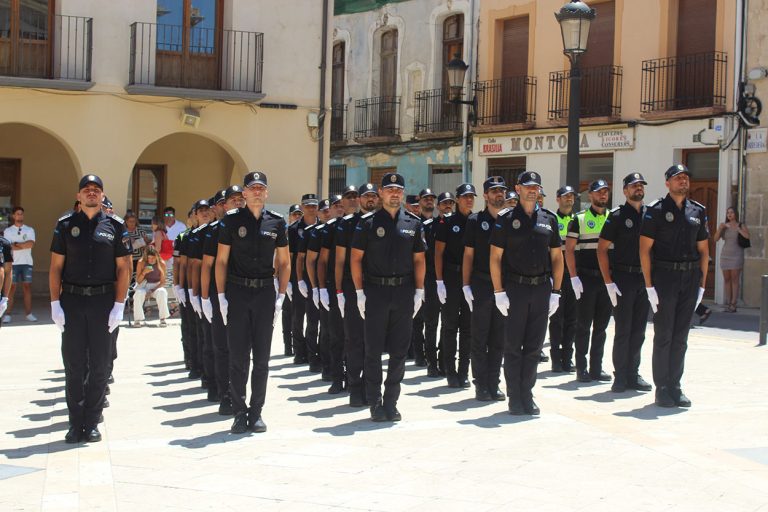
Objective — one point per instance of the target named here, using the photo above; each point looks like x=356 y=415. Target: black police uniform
x=205 y=349
x=430 y=311
x=314 y=243
x=455 y=314
x=335 y=322
x=296 y=235
x=622 y=228
x=188 y=337
x=218 y=329
x=562 y=324
x=6 y=256
x=488 y=324
x=676 y=276
x=250 y=293
x=90 y=247
x=312 y=331
x=388 y=280
x=526 y=270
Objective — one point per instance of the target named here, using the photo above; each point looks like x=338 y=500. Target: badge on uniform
x=669 y=216
x=242 y=231
x=591 y=223
x=629 y=223
x=485 y=225
x=380 y=232
x=456 y=229
x=75 y=231
x=516 y=224
x=560 y=226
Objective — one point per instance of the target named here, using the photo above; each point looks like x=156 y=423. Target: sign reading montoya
x=603 y=139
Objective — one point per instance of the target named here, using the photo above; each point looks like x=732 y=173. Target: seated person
x=150 y=279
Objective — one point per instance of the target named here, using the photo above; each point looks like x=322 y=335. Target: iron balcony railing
x=600 y=92
x=684 y=82
x=339 y=122
x=506 y=100
x=200 y=58
x=377 y=117
x=435 y=113
x=60 y=52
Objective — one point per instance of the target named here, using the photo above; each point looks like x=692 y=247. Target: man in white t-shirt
x=22 y=240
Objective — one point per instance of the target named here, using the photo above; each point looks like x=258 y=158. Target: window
x=377 y=173
x=388 y=67
x=25 y=48
x=147 y=192
x=337 y=179
x=453 y=42
x=508 y=168
x=446 y=179
x=338 y=103
x=10 y=173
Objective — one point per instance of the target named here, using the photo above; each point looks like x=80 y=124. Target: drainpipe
x=321 y=128
x=465 y=131
x=740 y=76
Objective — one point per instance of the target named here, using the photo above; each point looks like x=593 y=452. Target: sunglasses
x=169 y=215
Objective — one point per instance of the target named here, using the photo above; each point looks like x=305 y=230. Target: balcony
x=600 y=94
x=684 y=85
x=505 y=103
x=338 y=124
x=56 y=57
x=202 y=63
x=436 y=116
x=377 y=120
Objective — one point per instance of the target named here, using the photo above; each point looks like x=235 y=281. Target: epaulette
x=116 y=217
x=199 y=228
x=347 y=217
x=449 y=214
x=279 y=215
x=66 y=216
x=427 y=222
x=504 y=211
x=413 y=215
x=213 y=223
x=367 y=215
x=615 y=210
x=654 y=203
x=232 y=211
x=294 y=223
x=331 y=221
x=549 y=212
x=698 y=204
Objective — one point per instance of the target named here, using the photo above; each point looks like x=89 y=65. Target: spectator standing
x=22 y=238
x=137 y=238
x=731 y=257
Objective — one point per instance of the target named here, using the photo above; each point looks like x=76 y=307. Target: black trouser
x=594 y=311
x=86 y=348
x=208 y=353
x=249 y=333
x=336 y=338
x=677 y=293
x=287 y=315
x=488 y=326
x=113 y=338
x=199 y=326
x=324 y=339
x=630 y=317
x=562 y=325
x=297 y=323
x=430 y=312
x=456 y=320
x=354 y=331
x=526 y=328
x=220 y=347
x=311 y=335
x=388 y=324
x=417 y=336
x=190 y=338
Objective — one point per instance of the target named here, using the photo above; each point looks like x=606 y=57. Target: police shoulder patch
x=347 y=217
x=331 y=221
x=615 y=210
x=116 y=217
x=413 y=215
x=66 y=216
x=504 y=211
x=654 y=203
x=428 y=222
x=232 y=211
x=447 y=215
x=199 y=228
x=274 y=213
x=367 y=215
x=214 y=223
x=698 y=204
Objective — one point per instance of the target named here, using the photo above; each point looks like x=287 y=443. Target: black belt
x=88 y=291
x=388 y=281
x=588 y=272
x=529 y=280
x=251 y=283
x=452 y=267
x=681 y=266
x=628 y=268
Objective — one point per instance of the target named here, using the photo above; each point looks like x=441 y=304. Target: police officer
x=354 y=330
x=412 y=204
x=624 y=282
x=674 y=254
x=456 y=319
x=511 y=199
x=232 y=199
x=487 y=339
x=525 y=255
x=388 y=271
x=562 y=325
x=6 y=273
x=188 y=336
x=294 y=214
x=445 y=203
x=89 y=267
x=424 y=338
x=302 y=341
x=593 y=305
x=251 y=240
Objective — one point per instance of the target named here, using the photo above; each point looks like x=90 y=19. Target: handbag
x=744 y=242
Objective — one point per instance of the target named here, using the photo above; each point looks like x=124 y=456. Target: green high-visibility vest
x=562 y=224
x=590 y=226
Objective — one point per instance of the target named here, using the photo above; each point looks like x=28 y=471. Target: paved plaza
x=166 y=448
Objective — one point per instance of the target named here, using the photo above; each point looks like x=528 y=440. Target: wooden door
x=10 y=188
x=147 y=191
x=337 y=91
x=388 y=84
x=704 y=189
x=514 y=69
x=25 y=38
x=695 y=71
x=453 y=46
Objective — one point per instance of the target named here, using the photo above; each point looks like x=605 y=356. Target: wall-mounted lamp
x=190 y=117
x=757 y=73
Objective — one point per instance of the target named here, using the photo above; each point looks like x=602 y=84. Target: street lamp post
x=575 y=18
x=457 y=71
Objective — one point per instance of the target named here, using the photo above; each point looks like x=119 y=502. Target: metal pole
x=574 y=109
x=764 y=311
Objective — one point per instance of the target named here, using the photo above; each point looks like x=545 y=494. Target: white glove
x=502 y=302
x=578 y=288
x=316 y=297
x=325 y=299
x=180 y=297
x=58 y=315
x=418 y=298
x=468 y=295
x=194 y=301
x=303 y=289
x=115 y=316
x=554 y=303
x=613 y=292
x=342 y=303
x=653 y=298
x=223 y=306
x=442 y=294
x=278 y=307
x=208 y=309
x=361 y=302
x=289 y=291
x=277 y=285
x=3 y=305
x=698 y=299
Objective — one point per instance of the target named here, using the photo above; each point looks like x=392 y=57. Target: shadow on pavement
x=353 y=427
x=420 y=379
x=650 y=412
x=54 y=379
x=436 y=391
x=180 y=407
x=289 y=364
x=609 y=396
x=571 y=385
x=463 y=405
x=207 y=440
x=165 y=365
x=310 y=399
x=208 y=417
x=497 y=420
x=38 y=431
x=179 y=393
x=304 y=386
x=39 y=449
x=165 y=373
x=45 y=416
x=48 y=391
x=48 y=402
x=169 y=382
x=332 y=411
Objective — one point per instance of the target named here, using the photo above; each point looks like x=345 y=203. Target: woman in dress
x=732 y=256
x=150 y=280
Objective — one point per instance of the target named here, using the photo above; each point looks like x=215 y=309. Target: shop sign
x=756 y=140
x=557 y=142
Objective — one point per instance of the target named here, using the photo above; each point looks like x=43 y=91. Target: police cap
x=427 y=192
x=445 y=196
x=598 y=185
x=309 y=200
x=105 y=202
x=232 y=190
x=465 y=189
x=494 y=182
x=511 y=194
x=565 y=190
x=324 y=204
x=392 y=180
x=350 y=189
x=674 y=171
x=219 y=197
x=255 y=178
x=335 y=198
x=529 y=178
x=412 y=199
x=634 y=177
x=295 y=208
x=368 y=188
x=91 y=178
x=202 y=203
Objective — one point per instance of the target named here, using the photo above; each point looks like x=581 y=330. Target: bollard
x=764 y=311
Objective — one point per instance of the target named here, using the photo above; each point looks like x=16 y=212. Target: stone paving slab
x=166 y=448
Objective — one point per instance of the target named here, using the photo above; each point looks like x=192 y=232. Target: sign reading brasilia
x=602 y=139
